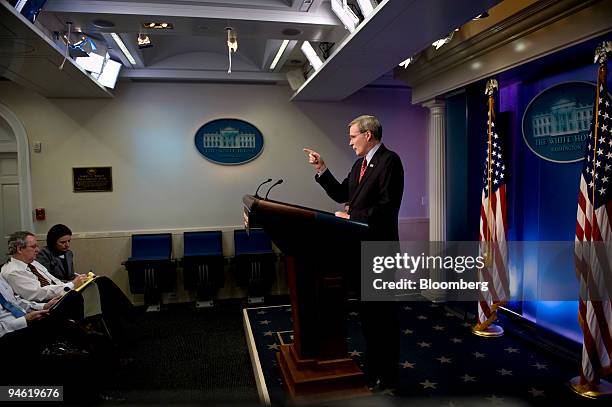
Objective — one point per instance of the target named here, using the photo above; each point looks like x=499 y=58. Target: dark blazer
x=377 y=198
x=55 y=266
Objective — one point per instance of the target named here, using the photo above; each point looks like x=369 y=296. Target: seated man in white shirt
x=30 y=330
x=28 y=278
x=17 y=313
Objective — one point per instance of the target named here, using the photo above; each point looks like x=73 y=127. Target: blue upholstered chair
x=151 y=269
x=203 y=265
x=254 y=262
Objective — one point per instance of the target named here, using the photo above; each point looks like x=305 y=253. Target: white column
x=436 y=181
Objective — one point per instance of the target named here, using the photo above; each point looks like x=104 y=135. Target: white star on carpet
x=407 y=365
x=438 y=328
x=539 y=366
x=505 y=372
x=408 y=331
x=443 y=359
x=268 y=333
x=478 y=355
x=422 y=317
x=536 y=393
x=264 y=322
x=510 y=349
x=428 y=385
x=261 y=312
x=467 y=378
x=273 y=346
x=424 y=344
x=355 y=353
x=456 y=340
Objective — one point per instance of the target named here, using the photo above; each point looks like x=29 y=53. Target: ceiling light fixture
x=481 y=16
x=366 y=6
x=443 y=41
x=279 y=54
x=144 y=41
x=311 y=55
x=404 y=64
x=345 y=14
x=158 y=26
x=123 y=48
x=232 y=45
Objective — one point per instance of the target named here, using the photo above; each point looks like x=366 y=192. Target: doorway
x=10 y=212
x=15 y=183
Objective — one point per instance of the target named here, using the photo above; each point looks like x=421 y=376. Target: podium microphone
x=280 y=181
x=265 y=182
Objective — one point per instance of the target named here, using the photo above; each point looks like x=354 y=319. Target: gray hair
x=368 y=123
x=18 y=240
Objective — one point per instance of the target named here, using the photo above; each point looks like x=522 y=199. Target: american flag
x=593 y=225
x=493 y=223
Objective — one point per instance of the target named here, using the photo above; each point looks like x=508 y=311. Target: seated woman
x=57 y=256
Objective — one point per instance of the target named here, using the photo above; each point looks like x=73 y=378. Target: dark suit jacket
x=55 y=266
x=377 y=198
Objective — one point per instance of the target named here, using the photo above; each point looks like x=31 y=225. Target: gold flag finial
x=602 y=51
x=491 y=87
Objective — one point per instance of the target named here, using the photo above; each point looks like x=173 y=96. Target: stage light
x=443 y=41
x=366 y=7
x=345 y=14
x=144 y=41
x=110 y=73
x=481 y=16
x=311 y=55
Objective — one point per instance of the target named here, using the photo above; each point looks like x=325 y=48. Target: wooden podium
x=322 y=258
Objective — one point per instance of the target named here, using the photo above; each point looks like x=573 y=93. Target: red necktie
x=43 y=281
x=364 y=165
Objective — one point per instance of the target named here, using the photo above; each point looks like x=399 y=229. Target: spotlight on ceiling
x=443 y=41
x=367 y=7
x=481 y=16
x=311 y=55
x=144 y=41
x=345 y=14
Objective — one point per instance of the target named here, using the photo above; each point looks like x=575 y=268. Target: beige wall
x=161 y=182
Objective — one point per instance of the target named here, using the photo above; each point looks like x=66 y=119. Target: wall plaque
x=92 y=179
x=229 y=141
x=556 y=123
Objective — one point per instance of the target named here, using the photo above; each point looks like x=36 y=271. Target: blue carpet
x=441 y=361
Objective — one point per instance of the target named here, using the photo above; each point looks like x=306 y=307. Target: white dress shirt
x=8 y=322
x=26 y=284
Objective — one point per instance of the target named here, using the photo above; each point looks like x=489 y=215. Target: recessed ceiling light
x=103 y=23
x=158 y=25
x=291 y=32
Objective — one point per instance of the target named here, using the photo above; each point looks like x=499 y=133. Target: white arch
x=23 y=161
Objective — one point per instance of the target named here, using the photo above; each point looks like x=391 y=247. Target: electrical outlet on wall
x=37 y=146
x=423 y=200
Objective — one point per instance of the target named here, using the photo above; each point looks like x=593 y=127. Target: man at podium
x=372 y=192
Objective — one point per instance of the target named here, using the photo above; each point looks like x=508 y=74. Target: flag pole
x=595 y=388
x=488 y=329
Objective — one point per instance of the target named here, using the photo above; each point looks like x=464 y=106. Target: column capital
x=432 y=104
